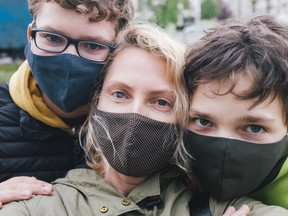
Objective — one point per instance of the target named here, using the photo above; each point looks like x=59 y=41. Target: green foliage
x=167 y=11
x=253 y=2
x=209 y=9
x=6 y=71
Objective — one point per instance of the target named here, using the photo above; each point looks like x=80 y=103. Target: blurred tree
x=225 y=12
x=268 y=6
x=167 y=11
x=254 y=5
x=209 y=9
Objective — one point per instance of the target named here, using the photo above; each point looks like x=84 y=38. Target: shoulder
x=5 y=97
x=257 y=208
x=7 y=106
x=9 y=111
x=276 y=192
x=174 y=192
x=18 y=208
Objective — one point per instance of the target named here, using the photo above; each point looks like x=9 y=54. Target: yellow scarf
x=25 y=93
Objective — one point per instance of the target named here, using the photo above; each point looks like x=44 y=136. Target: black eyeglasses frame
x=75 y=42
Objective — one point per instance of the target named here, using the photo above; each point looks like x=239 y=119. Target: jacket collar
x=89 y=182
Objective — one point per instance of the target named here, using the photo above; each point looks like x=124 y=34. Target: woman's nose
x=139 y=108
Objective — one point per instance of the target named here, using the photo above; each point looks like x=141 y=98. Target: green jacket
x=84 y=193
x=275 y=193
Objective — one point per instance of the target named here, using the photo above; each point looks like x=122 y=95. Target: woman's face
x=136 y=83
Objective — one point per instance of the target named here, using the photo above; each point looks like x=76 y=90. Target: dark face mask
x=140 y=146
x=67 y=80
x=230 y=168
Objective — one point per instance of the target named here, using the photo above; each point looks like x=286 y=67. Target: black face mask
x=138 y=146
x=230 y=168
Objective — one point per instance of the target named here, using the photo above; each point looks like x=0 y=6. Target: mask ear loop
x=29 y=28
x=33 y=24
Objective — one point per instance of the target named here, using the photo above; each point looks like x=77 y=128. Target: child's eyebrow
x=199 y=114
x=248 y=119
x=257 y=119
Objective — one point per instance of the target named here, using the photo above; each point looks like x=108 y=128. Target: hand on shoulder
x=22 y=188
x=242 y=211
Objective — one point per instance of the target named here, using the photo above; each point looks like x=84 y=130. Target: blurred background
x=185 y=20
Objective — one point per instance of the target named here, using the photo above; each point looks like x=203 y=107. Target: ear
x=29 y=27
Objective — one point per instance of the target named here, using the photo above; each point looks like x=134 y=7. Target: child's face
x=228 y=116
x=52 y=17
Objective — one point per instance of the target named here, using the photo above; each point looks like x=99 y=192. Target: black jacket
x=29 y=147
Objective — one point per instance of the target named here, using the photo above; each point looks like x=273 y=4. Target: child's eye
x=200 y=125
x=54 y=38
x=202 y=122
x=51 y=39
x=255 y=129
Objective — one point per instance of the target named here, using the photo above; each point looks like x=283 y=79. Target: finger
x=23 y=179
x=14 y=195
x=26 y=183
x=18 y=179
x=229 y=211
x=242 y=211
x=34 y=188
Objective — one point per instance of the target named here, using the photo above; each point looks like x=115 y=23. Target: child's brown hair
x=118 y=11
x=257 y=48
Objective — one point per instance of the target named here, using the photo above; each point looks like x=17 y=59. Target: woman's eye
x=119 y=94
x=162 y=102
x=255 y=129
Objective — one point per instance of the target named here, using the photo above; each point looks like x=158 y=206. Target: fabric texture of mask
x=67 y=80
x=230 y=168
x=138 y=146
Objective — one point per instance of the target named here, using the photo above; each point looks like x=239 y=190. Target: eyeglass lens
x=52 y=42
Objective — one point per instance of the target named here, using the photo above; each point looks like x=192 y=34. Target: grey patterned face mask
x=136 y=145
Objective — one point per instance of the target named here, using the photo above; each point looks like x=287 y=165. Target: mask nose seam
x=130 y=140
x=68 y=86
x=223 y=166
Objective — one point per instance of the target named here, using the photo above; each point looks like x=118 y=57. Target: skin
x=122 y=92
x=54 y=18
x=242 y=211
x=228 y=116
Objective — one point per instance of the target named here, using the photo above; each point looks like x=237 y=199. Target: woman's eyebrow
x=165 y=92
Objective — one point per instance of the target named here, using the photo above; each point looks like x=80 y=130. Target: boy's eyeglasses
x=58 y=43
